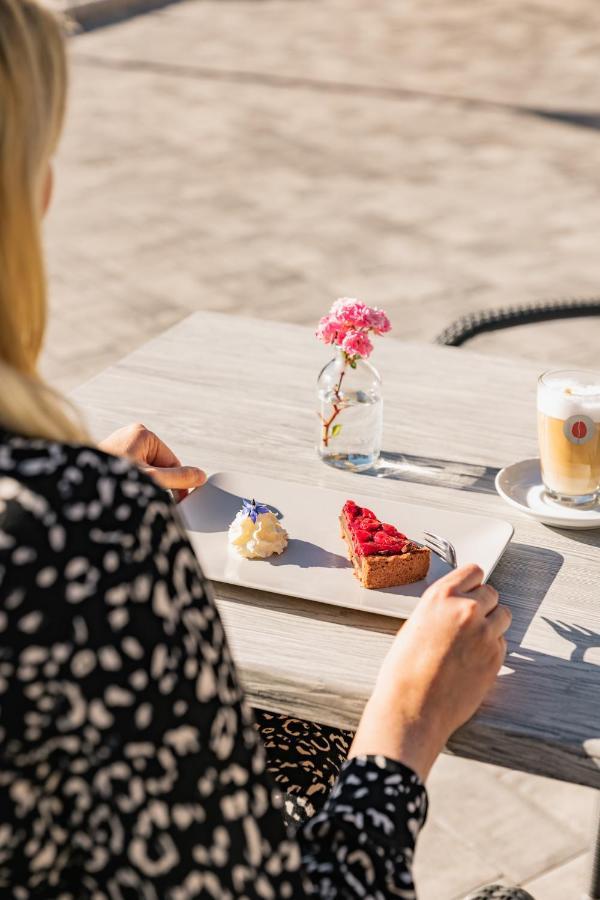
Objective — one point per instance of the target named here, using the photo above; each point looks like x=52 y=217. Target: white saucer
x=521 y=486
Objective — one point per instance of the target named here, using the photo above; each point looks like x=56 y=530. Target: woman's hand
x=147 y=450
x=437 y=672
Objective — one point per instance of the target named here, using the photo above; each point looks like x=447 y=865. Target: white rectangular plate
x=314 y=565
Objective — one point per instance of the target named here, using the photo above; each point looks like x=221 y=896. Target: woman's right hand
x=437 y=672
x=156 y=459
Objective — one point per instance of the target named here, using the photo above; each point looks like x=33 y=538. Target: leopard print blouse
x=129 y=764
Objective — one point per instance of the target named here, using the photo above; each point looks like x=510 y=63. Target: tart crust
x=381 y=570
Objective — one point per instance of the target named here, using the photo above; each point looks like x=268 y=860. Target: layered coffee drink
x=568 y=404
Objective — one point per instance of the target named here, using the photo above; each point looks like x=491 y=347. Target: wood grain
x=232 y=393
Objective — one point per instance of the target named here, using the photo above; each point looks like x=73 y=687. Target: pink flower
x=330 y=330
x=348 y=325
x=351 y=312
x=326 y=330
x=357 y=343
x=378 y=321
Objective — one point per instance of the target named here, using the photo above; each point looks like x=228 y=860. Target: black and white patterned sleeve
x=361 y=843
x=129 y=762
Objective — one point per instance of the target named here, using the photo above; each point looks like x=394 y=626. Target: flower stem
x=337 y=409
x=339 y=384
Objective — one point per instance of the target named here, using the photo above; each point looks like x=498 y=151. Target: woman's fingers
x=466 y=582
x=486 y=596
x=463 y=579
x=499 y=620
x=145 y=448
x=141 y=445
x=177 y=478
x=159 y=454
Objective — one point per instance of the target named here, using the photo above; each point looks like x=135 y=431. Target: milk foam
x=563 y=398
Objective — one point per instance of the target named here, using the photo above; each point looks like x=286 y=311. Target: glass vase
x=350 y=413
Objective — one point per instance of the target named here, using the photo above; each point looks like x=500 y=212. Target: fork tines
x=441 y=547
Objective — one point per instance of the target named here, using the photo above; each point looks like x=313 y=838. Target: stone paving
x=263 y=157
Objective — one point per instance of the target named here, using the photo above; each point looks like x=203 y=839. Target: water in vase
x=350 y=414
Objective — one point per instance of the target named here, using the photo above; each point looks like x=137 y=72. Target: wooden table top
x=235 y=393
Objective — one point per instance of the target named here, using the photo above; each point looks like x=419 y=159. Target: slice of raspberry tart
x=381 y=555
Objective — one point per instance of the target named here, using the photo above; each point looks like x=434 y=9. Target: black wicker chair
x=469 y=326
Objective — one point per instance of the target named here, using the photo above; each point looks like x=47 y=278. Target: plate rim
x=336 y=490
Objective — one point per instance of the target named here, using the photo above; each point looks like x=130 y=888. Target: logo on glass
x=579 y=429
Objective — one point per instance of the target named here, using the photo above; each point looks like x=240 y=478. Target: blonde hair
x=33 y=84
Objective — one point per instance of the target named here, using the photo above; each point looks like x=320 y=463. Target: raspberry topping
x=369 y=535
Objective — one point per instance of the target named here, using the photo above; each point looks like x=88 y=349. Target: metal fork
x=441 y=547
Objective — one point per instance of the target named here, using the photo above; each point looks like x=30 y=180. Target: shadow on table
x=590 y=537
x=582 y=638
x=461 y=476
x=307 y=555
x=558 y=693
x=212 y=509
x=551 y=690
x=524 y=576
x=554 y=687
x=551 y=703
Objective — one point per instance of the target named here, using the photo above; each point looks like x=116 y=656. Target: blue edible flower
x=254 y=509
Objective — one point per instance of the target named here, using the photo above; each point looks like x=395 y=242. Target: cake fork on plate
x=441 y=547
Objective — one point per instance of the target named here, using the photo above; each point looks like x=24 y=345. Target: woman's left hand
x=156 y=459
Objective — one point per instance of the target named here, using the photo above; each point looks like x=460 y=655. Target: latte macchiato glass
x=568 y=405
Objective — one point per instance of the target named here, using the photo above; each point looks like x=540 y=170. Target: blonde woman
x=129 y=761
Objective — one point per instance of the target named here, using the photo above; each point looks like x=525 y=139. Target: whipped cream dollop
x=255 y=533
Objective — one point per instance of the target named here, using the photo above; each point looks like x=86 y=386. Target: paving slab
x=562 y=883
x=508 y=825
x=448 y=867
x=572 y=806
